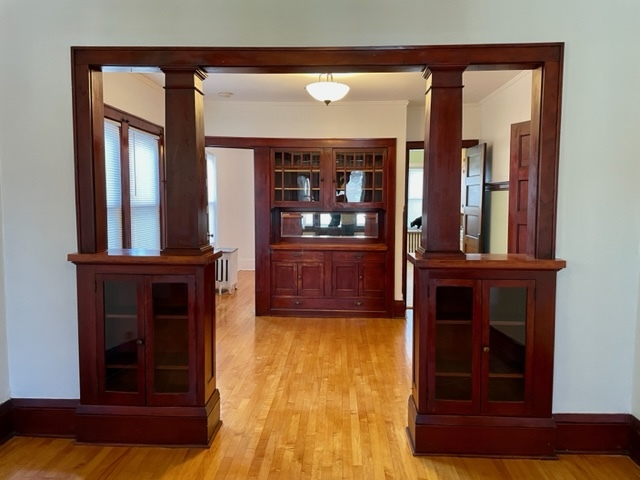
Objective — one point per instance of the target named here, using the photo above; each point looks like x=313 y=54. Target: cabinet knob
x=485 y=349
x=140 y=341
x=361 y=277
x=299 y=276
x=357 y=304
x=298 y=302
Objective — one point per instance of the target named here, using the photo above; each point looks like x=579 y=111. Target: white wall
x=635 y=409
x=510 y=104
x=470 y=122
x=135 y=94
x=4 y=357
x=236 y=203
x=597 y=293
x=338 y=120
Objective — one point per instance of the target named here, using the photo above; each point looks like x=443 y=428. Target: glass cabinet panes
x=296 y=175
x=120 y=304
x=507 y=343
x=359 y=176
x=454 y=342
x=170 y=324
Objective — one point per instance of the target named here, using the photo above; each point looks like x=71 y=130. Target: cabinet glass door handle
x=140 y=341
x=485 y=349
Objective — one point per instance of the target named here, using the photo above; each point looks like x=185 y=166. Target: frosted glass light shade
x=327 y=91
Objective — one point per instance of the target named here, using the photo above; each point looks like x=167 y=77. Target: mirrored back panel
x=329 y=224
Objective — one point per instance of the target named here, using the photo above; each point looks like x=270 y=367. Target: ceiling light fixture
x=327 y=91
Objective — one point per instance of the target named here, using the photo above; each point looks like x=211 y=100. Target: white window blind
x=212 y=198
x=144 y=183
x=113 y=183
x=414 y=193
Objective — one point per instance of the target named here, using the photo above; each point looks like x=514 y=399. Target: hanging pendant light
x=327 y=91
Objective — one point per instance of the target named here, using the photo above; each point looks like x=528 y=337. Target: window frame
x=127 y=120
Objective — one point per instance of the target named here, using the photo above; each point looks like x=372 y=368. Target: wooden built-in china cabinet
x=328 y=246
x=483 y=325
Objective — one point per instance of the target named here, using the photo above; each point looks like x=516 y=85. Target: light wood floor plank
x=301 y=398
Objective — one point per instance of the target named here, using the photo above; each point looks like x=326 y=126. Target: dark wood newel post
x=186 y=171
x=442 y=140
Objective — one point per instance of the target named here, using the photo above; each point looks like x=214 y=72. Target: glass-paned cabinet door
x=170 y=334
x=296 y=175
x=508 y=310
x=120 y=337
x=454 y=368
x=359 y=176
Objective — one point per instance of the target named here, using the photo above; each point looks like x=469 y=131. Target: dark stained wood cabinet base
x=168 y=426
x=634 y=440
x=6 y=427
x=146 y=324
x=481 y=435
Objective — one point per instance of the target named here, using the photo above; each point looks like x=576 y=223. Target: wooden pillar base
x=480 y=436
x=175 y=426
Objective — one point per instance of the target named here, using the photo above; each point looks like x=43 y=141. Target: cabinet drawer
x=358 y=256
x=359 y=304
x=301 y=303
x=297 y=256
x=337 y=304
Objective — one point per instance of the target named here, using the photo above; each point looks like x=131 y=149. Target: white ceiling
x=365 y=87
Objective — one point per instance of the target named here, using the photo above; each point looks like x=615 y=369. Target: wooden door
x=519 y=186
x=120 y=339
x=471 y=198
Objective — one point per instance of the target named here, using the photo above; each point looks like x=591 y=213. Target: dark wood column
x=442 y=162
x=88 y=112
x=186 y=170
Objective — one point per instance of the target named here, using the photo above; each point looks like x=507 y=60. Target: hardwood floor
x=301 y=398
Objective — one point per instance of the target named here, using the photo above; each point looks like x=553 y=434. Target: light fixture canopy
x=327 y=91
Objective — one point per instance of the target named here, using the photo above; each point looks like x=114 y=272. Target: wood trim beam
x=312 y=59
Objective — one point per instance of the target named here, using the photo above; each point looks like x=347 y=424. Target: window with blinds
x=132 y=172
x=212 y=200
x=112 y=147
x=144 y=189
x=414 y=193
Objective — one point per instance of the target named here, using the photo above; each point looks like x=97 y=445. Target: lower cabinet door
x=482 y=333
x=120 y=333
x=454 y=380
x=170 y=340
x=146 y=339
x=507 y=338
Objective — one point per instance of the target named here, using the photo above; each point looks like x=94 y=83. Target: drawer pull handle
x=358 y=256
x=298 y=302
x=299 y=254
x=357 y=304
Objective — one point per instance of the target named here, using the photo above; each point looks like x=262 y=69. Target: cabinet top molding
x=141 y=257
x=488 y=261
